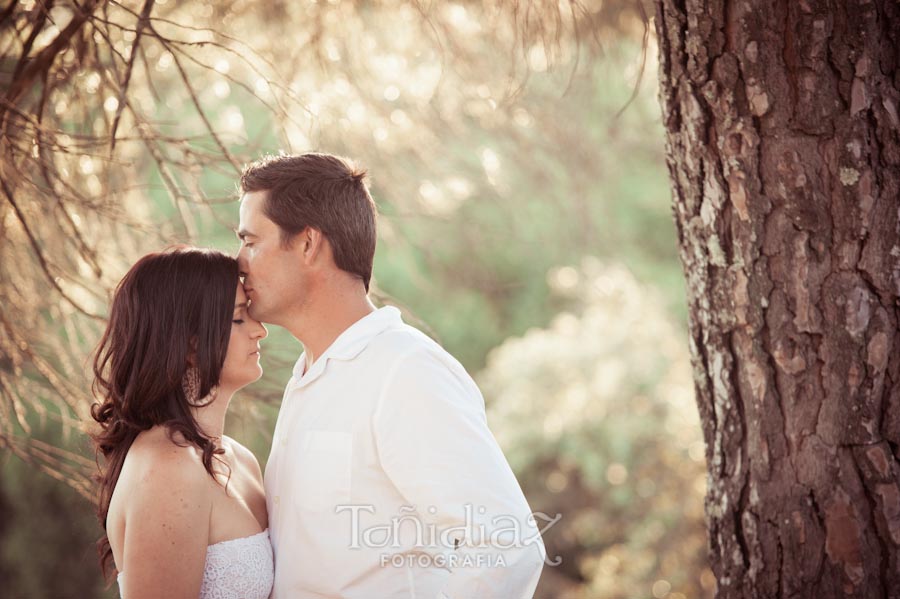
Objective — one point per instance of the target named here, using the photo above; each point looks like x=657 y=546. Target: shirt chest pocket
x=322 y=474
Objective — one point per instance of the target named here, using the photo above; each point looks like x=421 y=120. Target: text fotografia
x=441 y=560
x=501 y=532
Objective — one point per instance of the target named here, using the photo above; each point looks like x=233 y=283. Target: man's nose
x=242 y=263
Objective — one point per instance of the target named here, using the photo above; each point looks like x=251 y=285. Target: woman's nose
x=261 y=332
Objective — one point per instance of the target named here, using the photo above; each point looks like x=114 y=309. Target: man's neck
x=325 y=320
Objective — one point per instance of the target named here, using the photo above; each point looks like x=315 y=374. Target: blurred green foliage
x=47 y=535
x=596 y=415
x=527 y=229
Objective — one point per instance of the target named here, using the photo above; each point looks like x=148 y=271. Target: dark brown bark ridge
x=783 y=146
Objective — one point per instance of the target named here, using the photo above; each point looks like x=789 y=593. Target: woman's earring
x=190 y=384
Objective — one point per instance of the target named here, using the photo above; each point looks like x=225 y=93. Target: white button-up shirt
x=384 y=480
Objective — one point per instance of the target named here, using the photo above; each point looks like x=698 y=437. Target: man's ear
x=311 y=244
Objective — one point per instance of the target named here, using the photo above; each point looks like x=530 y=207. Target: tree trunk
x=783 y=146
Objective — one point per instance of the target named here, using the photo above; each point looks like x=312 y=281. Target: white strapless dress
x=237 y=569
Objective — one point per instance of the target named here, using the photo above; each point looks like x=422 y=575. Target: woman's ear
x=192 y=352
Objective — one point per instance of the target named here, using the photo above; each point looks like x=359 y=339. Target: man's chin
x=260 y=313
x=256 y=314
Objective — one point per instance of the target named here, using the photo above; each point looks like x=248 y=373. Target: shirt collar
x=350 y=343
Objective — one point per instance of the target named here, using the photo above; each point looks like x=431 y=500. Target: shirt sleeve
x=434 y=444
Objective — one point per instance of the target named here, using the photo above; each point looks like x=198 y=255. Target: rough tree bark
x=784 y=154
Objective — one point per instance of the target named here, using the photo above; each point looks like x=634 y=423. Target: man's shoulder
x=407 y=349
x=404 y=340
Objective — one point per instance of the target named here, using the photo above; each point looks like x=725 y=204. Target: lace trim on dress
x=241 y=568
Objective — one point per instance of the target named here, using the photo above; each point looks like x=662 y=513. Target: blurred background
x=516 y=155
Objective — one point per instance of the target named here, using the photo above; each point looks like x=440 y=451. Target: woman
x=182 y=505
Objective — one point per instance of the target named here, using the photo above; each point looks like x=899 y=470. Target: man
x=384 y=480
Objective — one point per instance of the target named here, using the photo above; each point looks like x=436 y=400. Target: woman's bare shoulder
x=245 y=457
x=163 y=485
x=158 y=458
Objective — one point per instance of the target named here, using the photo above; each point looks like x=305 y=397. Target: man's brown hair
x=325 y=192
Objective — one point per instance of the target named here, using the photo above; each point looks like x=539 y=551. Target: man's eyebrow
x=241 y=233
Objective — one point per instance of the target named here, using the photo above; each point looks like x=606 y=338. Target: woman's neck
x=211 y=417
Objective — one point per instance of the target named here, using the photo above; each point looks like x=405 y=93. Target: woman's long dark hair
x=173 y=307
